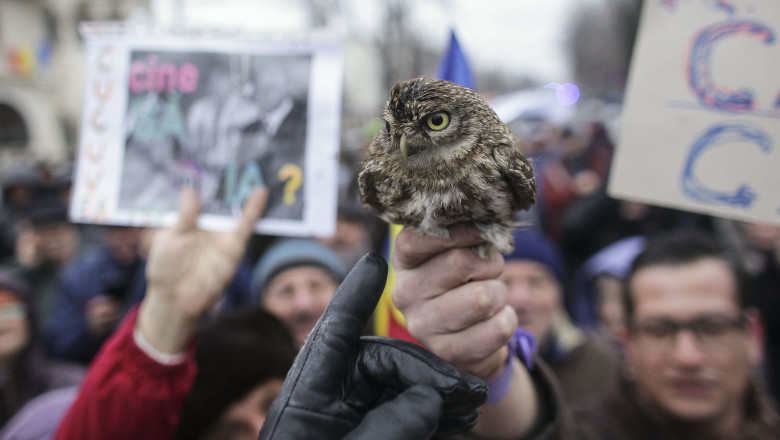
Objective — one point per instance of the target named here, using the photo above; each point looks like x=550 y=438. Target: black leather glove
x=345 y=386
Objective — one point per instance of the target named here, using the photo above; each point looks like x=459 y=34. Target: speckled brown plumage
x=445 y=157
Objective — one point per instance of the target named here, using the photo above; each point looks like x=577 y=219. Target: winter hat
x=533 y=246
x=293 y=253
x=46 y=214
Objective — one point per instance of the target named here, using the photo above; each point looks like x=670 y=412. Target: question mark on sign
x=293 y=175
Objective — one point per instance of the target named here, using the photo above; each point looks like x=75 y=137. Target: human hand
x=28 y=249
x=187 y=270
x=344 y=386
x=453 y=301
x=102 y=314
x=586 y=182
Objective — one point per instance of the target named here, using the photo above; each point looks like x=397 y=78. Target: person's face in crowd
x=59 y=241
x=19 y=195
x=611 y=312
x=534 y=293
x=14 y=328
x=699 y=373
x=298 y=296
x=252 y=410
x=123 y=242
x=761 y=236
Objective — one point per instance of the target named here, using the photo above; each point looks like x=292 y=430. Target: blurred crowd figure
x=295 y=280
x=26 y=372
x=73 y=292
x=535 y=277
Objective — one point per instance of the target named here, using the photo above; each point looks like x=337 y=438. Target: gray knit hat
x=292 y=253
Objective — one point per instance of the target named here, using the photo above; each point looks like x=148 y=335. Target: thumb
x=412 y=414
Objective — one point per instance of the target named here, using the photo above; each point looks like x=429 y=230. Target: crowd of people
x=635 y=321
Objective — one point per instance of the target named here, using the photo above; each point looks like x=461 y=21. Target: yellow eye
x=438 y=121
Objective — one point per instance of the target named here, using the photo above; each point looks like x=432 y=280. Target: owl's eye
x=438 y=121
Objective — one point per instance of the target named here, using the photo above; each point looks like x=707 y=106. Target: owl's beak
x=404 y=148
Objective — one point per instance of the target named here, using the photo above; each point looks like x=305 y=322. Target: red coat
x=127 y=395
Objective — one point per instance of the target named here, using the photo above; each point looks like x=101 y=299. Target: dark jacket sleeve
x=554 y=420
x=66 y=333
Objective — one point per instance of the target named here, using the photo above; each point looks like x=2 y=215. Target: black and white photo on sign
x=220 y=122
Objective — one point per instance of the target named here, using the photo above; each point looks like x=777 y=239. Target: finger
x=452 y=268
x=458 y=309
x=253 y=208
x=189 y=208
x=324 y=358
x=413 y=247
x=476 y=344
x=412 y=414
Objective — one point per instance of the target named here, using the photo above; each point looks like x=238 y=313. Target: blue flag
x=454 y=66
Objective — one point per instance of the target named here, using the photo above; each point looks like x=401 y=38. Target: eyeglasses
x=710 y=331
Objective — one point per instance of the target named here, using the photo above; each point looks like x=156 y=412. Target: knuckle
x=401 y=296
x=404 y=246
x=462 y=261
x=487 y=298
x=506 y=323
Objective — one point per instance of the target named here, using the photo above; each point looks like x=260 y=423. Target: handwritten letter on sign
x=701 y=122
x=222 y=116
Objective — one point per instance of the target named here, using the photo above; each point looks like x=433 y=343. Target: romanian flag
x=26 y=61
x=388 y=320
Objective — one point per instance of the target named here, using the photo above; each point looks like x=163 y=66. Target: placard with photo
x=221 y=115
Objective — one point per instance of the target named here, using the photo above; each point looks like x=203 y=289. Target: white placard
x=220 y=114
x=701 y=122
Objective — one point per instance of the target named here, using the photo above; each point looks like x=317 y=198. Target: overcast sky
x=517 y=36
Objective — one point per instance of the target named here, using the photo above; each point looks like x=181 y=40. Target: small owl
x=445 y=157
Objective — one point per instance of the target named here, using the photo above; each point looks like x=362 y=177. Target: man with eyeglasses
x=691 y=346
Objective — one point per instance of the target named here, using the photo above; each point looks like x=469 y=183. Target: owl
x=444 y=157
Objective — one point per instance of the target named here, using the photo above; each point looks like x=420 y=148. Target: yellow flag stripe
x=385 y=309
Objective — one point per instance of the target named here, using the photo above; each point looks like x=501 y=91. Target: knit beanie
x=292 y=253
x=531 y=245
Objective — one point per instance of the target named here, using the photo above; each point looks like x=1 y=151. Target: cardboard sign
x=701 y=122
x=220 y=115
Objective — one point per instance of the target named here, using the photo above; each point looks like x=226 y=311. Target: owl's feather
x=424 y=173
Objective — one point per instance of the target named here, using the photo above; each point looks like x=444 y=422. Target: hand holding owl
x=444 y=157
x=448 y=168
x=453 y=301
x=457 y=308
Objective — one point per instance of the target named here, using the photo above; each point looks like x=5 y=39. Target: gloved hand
x=344 y=386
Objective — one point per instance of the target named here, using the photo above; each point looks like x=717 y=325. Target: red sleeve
x=127 y=395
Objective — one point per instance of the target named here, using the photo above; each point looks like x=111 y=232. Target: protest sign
x=222 y=115
x=701 y=121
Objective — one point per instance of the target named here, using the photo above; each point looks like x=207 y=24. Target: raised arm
x=137 y=384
